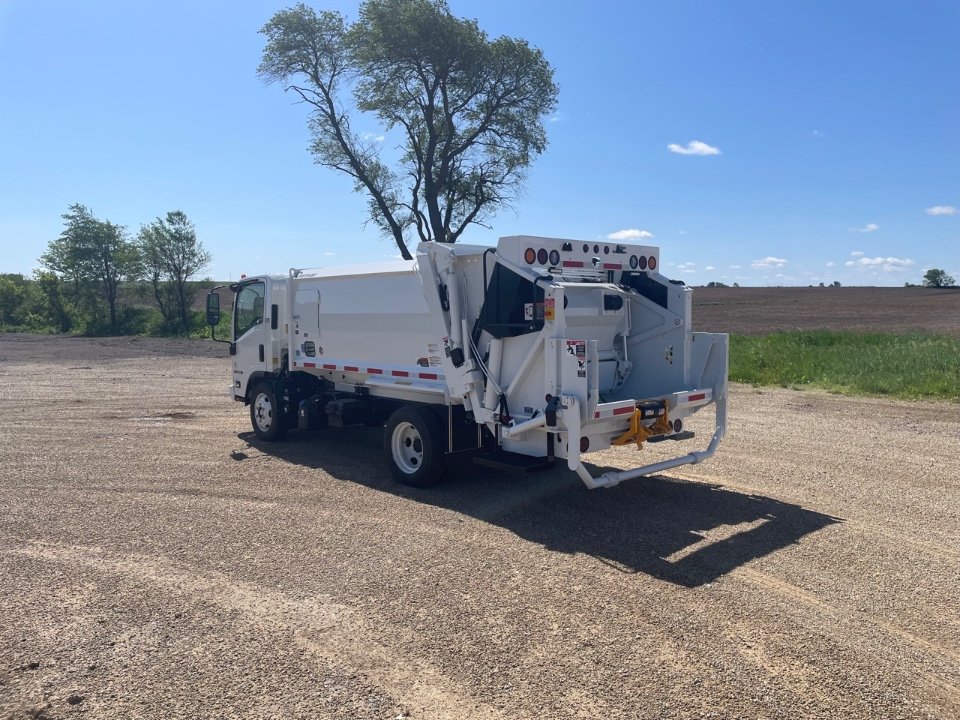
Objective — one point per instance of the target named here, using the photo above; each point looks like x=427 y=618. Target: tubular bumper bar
x=615 y=478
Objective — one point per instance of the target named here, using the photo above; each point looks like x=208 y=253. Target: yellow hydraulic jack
x=638 y=432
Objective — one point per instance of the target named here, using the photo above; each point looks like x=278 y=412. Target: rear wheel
x=265 y=414
x=413 y=444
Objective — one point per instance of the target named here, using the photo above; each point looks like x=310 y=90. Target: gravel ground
x=156 y=561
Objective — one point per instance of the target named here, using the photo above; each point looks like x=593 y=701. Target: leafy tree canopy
x=92 y=253
x=171 y=255
x=469 y=109
x=935 y=277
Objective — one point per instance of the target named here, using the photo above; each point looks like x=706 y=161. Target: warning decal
x=578 y=348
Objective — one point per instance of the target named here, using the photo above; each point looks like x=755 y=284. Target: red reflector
x=375 y=371
x=530 y=255
x=399 y=373
x=428 y=376
x=309 y=364
x=652 y=263
x=698 y=396
x=596 y=414
x=542 y=256
x=329 y=367
x=351 y=368
x=612 y=266
x=623 y=410
x=573 y=263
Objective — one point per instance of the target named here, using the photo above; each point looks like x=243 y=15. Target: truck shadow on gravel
x=686 y=533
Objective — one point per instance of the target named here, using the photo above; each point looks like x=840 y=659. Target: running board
x=512 y=462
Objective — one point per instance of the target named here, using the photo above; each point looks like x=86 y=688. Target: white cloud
x=768 y=262
x=557 y=117
x=709 y=267
x=831 y=263
x=687 y=267
x=329 y=254
x=941 y=210
x=857 y=253
x=630 y=234
x=735 y=267
x=869 y=227
x=694 y=147
x=817 y=134
x=369 y=136
x=887 y=264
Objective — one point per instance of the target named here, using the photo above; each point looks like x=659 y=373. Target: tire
x=268 y=421
x=414 y=446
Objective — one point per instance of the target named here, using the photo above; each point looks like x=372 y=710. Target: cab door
x=249 y=334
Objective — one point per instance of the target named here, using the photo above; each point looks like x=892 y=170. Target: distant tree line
x=96 y=279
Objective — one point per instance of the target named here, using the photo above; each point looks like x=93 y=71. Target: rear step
x=685 y=435
x=512 y=462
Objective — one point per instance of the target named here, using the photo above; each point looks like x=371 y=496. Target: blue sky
x=831 y=133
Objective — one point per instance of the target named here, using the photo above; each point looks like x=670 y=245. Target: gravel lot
x=156 y=561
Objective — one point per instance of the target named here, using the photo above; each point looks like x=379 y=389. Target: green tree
x=171 y=255
x=13 y=291
x=93 y=256
x=935 y=277
x=54 y=310
x=469 y=109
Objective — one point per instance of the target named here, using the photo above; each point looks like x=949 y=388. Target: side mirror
x=213 y=309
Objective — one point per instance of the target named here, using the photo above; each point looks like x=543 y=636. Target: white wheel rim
x=407 y=448
x=263 y=412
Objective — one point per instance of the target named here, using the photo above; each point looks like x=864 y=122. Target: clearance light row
x=542 y=257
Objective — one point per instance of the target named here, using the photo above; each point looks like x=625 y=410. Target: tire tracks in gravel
x=868 y=628
x=947 y=657
x=331 y=632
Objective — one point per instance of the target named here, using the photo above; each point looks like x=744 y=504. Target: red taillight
x=584 y=444
x=542 y=256
x=573 y=263
x=612 y=266
x=652 y=263
x=643 y=262
x=530 y=255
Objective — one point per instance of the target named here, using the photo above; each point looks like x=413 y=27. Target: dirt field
x=756 y=311
x=157 y=562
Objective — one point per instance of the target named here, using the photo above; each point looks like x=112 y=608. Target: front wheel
x=265 y=414
x=413 y=444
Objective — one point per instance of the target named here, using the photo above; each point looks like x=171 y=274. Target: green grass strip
x=902 y=366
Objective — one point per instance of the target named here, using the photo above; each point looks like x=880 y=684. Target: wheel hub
x=263 y=411
x=407 y=448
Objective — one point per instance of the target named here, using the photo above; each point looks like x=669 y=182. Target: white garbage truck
x=509 y=356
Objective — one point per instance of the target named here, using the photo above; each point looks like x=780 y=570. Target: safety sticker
x=433 y=355
x=549 y=309
x=578 y=348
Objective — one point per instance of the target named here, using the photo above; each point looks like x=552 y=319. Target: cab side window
x=249 y=308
